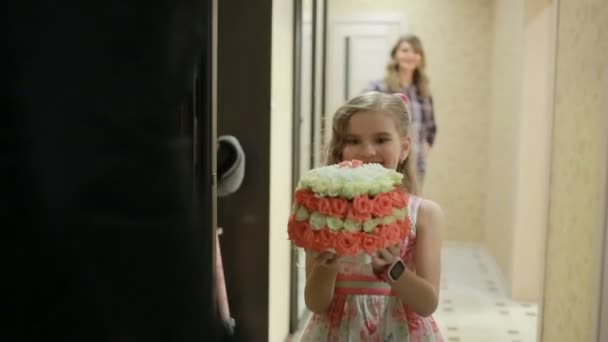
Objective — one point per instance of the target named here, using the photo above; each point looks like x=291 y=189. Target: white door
x=357 y=54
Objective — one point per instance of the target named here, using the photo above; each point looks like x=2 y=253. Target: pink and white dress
x=365 y=309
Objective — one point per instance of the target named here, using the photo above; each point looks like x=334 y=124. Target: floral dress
x=365 y=309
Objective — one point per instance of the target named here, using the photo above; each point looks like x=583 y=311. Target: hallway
x=474 y=305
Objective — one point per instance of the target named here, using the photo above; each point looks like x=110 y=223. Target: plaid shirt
x=424 y=128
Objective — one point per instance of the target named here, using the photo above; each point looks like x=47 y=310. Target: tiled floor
x=474 y=306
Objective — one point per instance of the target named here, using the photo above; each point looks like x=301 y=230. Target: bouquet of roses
x=350 y=208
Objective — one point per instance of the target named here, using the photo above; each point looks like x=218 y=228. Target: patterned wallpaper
x=457 y=36
x=459 y=42
x=572 y=271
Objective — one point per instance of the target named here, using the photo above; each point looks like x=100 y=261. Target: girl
x=366 y=304
x=405 y=73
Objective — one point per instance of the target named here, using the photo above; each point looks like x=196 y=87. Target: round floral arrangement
x=350 y=208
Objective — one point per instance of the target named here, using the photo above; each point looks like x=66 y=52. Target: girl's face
x=372 y=137
x=406 y=57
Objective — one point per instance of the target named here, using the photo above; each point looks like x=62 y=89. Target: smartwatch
x=393 y=272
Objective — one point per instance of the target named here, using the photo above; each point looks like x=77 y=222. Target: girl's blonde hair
x=420 y=79
x=373 y=102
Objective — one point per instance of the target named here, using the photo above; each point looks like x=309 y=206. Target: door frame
x=317 y=98
x=602 y=315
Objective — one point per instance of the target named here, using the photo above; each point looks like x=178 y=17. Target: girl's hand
x=327 y=260
x=385 y=257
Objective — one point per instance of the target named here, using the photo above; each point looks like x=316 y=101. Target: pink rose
x=339 y=207
x=324 y=240
x=347 y=244
x=311 y=204
x=370 y=243
x=350 y=163
x=307 y=239
x=390 y=234
x=363 y=205
x=398 y=198
x=355 y=163
x=296 y=230
x=345 y=163
x=307 y=199
x=383 y=205
x=325 y=206
x=354 y=216
x=302 y=196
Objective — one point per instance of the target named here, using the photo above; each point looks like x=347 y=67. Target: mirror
x=492 y=186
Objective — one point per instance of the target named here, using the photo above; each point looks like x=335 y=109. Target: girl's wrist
x=391 y=272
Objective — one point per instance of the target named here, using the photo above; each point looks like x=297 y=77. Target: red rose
x=347 y=244
x=383 y=205
x=363 y=205
x=339 y=207
x=325 y=206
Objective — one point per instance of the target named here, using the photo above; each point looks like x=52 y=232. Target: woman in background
x=405 y=74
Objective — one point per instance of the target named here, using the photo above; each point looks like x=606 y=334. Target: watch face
x=396 y=271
